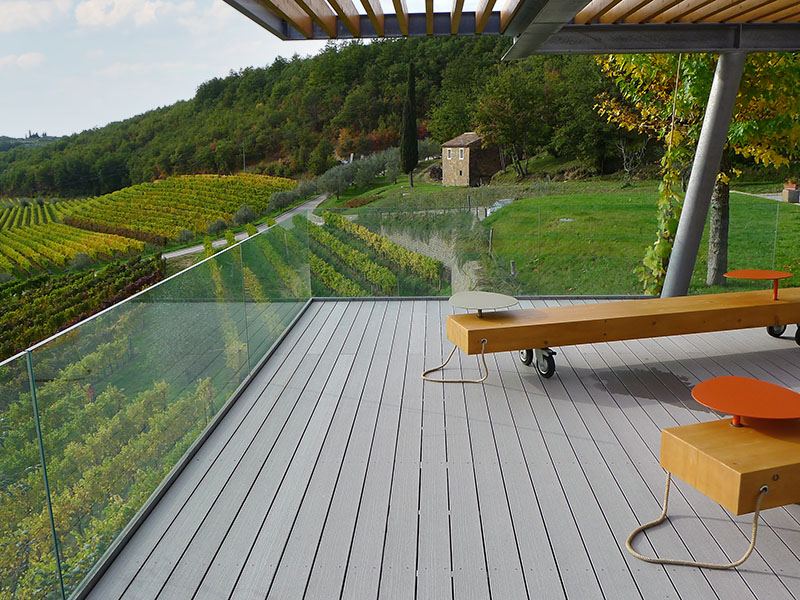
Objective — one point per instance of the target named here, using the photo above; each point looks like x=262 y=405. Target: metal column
x=712 y=140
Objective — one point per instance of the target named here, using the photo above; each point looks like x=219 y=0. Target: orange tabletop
x=746 y=397
x=760 y=274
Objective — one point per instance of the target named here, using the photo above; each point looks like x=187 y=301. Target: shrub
x=280 y=200
x=250 y=229
x=185 y=236
x=209 y=249
x=230 y=238
x=306 y=187
x=80 y=261
x=245 y=214
x=216 y=227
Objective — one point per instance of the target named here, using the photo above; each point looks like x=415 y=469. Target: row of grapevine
x=37 y=308
x=422 y=265
x=163 y=208
x=379 y=276
x=38 y=247
x=25 y=215
x=332 y=279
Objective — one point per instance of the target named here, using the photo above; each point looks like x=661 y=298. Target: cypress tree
x=409 y=154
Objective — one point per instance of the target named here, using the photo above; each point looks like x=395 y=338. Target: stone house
x=465 y=162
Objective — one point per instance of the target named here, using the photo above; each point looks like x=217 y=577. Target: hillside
x=290 y=117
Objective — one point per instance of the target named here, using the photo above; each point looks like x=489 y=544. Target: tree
x=763 y=128
x=409 y=155
x=511 y=113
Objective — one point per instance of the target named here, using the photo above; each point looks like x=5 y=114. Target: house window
x=461 y=153
x=449 y=153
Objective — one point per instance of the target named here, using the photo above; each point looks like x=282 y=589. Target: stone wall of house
x=484 y=162
x=463 y=278
x=455 y=170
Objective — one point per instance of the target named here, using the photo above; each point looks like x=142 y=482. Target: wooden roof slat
x=733 y=13
x=680 y=11
x=482 y=14
x=292 y=14
x=708 y=10
x=507 y=13
x=773 y=11
x=651 y=10
x=401 y=11
x=374 y=14
x=321 y=13
x=789 y=16
x=594 y=10
x=455 y=15
x=348 y=14
x=622 y=10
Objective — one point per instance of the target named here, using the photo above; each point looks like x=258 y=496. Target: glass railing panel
x=125 y=394
x=277 y=284
x=28 y=566
x=762 y=234
x=537 y=246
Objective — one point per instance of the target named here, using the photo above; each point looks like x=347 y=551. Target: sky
x=71 y=65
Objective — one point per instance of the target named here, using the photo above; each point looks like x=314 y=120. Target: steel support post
x=713 y=136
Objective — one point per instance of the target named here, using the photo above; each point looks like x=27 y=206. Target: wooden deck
x=338 y=474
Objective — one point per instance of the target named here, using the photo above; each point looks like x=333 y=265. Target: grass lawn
x=590 y=243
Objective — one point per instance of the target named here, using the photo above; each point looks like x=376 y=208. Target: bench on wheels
x=534 y=331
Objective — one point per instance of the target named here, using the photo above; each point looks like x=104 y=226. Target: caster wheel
x=545 y=364
x=776 y=331
x=526 y=357
x=797 y=335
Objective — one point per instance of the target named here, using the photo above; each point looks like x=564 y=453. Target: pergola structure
x=731 y=28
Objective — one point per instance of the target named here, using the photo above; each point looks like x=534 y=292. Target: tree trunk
x=719 y=219
x=411 y=178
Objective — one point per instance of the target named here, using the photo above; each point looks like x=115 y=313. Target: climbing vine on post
x=765 y=128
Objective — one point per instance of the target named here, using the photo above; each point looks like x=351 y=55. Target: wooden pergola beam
x=428 y=17
x=507 y=13
x=321 y=14
x=651 y=10
x=401 y=11
x=733 y=13
x=774 y=11
x=622 y=11
x=290 y=12
x=482 y=14
x=348 y=14
x=455 y=15
x=375 y=15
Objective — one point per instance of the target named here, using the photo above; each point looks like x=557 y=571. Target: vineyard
x=156 y=212
x=35 y=308
x=28 y=249
x=347 y=259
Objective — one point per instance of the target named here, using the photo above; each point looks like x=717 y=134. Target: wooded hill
x=295 y=116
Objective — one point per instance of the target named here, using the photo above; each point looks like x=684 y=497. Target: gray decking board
x=338 y=473
x=470 y=577
x=433 y=542
x=266 y=455
x=363 y=573
x=200 y=472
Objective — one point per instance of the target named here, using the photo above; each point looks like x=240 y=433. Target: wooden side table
x=746 y=468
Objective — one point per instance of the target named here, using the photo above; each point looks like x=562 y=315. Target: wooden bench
x=533 y=331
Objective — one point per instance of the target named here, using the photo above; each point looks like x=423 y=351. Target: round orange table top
x=757 y=274
x=746 y=397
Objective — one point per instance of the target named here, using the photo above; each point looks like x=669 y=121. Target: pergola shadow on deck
x=339 y=473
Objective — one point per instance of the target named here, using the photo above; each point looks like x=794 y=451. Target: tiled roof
x=469 y=138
